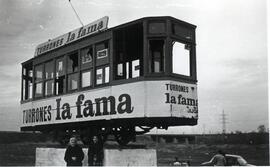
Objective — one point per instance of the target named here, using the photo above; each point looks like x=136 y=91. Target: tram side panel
x=171 y=99
x=183 y=99
x=134 y=100
x=99 y=104
x=155 y=99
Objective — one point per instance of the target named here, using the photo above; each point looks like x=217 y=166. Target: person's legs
x=90 y=161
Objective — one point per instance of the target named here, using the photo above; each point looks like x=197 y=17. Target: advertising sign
x=133 y=100
x=72 y=36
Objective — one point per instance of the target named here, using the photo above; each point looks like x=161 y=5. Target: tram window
x=120 y=70
x=127 y=69
x=38 y=89
x=49 y=82
x=156 y=55
x=128 y=52
x=86 y=79
x=86 y=58
x=38 y=73
x=102 y=53
x=102 y=75
x=49 y=88
x=101 y=46
x=60 y=85
x=156 y=28
x=73 y=81
x=24 y=97
x=72 y=63
x=49 y=67
x=30 y=84
x=24 y=71
x=181 y=58
x=27 y=82
x=99 y=76
x=60 y=80
x=30 y=73
x=135 y=68
x=107 y=75
x=60 y=67
x=30 y=90
x=182 y=31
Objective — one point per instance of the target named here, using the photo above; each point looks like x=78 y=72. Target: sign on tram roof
x=94 y=27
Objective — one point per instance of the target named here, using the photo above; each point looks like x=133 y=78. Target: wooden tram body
x=110 y=81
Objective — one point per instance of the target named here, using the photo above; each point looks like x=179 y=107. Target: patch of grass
x=254 y=154
x=23 y=154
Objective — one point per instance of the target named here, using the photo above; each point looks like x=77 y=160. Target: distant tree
x=238 y=132
x=261 y=129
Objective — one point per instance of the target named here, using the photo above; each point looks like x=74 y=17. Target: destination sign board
x=82 y=32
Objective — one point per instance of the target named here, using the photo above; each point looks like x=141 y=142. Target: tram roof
x=153 y=18
x=157 y=18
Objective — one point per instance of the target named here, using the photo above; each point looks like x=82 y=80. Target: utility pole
x=203 y=128
x=223 y=121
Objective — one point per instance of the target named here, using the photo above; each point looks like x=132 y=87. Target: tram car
x=120 y=81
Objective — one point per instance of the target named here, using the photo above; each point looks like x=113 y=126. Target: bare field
x=19 y=154
x=23 y=154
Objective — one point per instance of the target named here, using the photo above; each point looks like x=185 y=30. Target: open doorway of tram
x=128 y=52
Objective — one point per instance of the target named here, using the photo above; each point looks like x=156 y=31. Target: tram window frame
x=70 y=78
x=184 y=31
x=162 y=57
x=51 y=82
x=192 y=59
x=128 y=49
x=60 y=77
x=151 y=24
x=105 y=77
x=39 y=81
x=103 y=60
x=90 y=78
x=87 y=67
x=71 y=68
x=183 y=67
x=102 y=63
x=89 y=64
x=27 y=82
x=70 y=72
x=49 y=79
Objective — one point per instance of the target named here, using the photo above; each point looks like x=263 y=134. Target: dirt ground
x=253 y=154
x=23 y=154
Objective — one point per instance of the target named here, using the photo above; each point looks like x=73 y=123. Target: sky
x=231 y=51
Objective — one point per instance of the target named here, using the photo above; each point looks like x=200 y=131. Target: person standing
x=95 y=152
x=176 y=162
x=219 y=159
x=74 y=153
